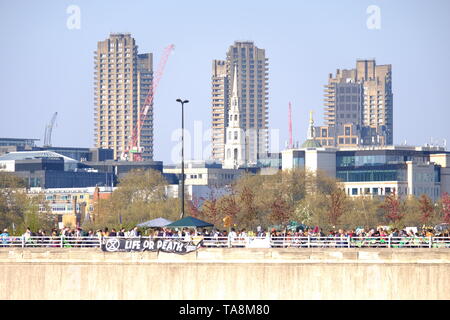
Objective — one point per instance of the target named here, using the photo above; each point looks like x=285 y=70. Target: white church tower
x=235 y=135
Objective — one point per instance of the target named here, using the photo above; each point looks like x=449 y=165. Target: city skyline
x=299 y=63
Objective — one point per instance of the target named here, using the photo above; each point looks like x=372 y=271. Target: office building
x=378 y=171
x=123 y=79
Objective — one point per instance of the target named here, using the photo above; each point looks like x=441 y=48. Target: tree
x=446 y=207
x=303 y=212
x=229 y=206
x=193 y=207
x=249 y=210
x=361 y=212
x=211 y=210
x=336 y=207
x=412 y=212
x=18 y=209
x=292 y=185
x=426 y=208
x=392 y=208
x=37 y=215
x=280 y=212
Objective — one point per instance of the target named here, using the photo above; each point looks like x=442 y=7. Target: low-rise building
x=48 y=169
x=119 y=168
x=378 y=171
x=16 y=144
x=71 y=204
x=203 y=179
x=81 y=154
x=205 y=173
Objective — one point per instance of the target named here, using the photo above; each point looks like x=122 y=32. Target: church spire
x=235 y=155
x=311 y=134
x=234 y=93
x=311 y=141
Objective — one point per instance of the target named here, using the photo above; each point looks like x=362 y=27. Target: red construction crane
x=133 y=149
x=290 y=126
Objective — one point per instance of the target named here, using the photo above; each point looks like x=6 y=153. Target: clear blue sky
x=46 y=67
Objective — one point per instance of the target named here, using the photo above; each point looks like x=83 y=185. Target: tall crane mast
x=133 y=149
x=48 y=131
x=290 y=126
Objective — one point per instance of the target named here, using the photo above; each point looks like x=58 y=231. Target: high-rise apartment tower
x=123 y=79
x=358 y=107
x=252 y=69
x=219 y=108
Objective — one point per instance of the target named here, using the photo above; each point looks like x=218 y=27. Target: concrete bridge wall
x=53 y=273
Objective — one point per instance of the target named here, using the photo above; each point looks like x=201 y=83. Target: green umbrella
x=189 y=222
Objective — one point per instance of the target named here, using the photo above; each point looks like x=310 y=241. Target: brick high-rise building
x=358 y=107
x=251 y=66
x=123 y=79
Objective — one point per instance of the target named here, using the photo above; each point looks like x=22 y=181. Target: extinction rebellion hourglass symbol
x=112 y=245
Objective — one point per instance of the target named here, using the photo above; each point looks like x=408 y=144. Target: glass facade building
x=270 y=160
x=378 y=157
x=380 y=165
x=377 y=173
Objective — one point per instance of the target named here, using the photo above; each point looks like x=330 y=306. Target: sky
x=47 y=62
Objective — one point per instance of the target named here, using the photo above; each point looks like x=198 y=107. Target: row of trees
x=253 y=200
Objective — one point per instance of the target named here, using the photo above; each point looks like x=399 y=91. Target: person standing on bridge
x=4 y=236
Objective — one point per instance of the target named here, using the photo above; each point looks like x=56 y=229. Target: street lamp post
x=182 y=154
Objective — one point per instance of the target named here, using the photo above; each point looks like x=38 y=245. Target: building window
x=347 y=131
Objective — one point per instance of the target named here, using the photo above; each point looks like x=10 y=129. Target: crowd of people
x=302 y=237
x=314 y=232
